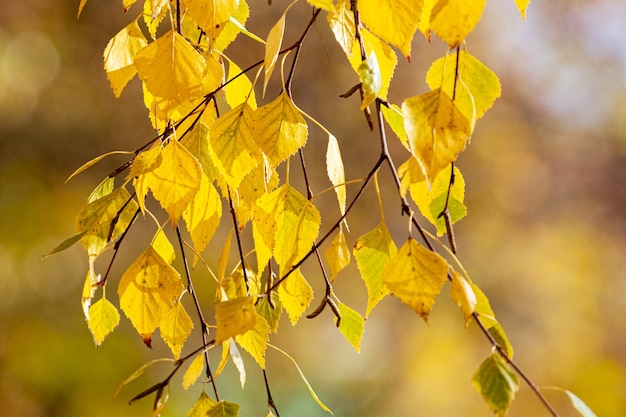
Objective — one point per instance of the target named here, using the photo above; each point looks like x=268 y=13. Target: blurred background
x=544 y=237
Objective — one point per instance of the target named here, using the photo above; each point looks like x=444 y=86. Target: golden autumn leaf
x=234 y=317
x=477 y=88
x=341 y=22
x=119 y=56
x=372 y=252
x=279 y=129
x=229 y=30
x=295 y=295
x=463 y=295
x=255 y=340
x=425 y=17
x=453 y=20
x=239 y=89
x=385 y=57
x=202 y=216
x=338 y=254
x=147 y=291
x=202 y=406
x=394 y=21
x=194 y=371
x=416 y=276
x=210 y=13
x=351 y=326
x=336 y=172
x=522 y=5
x=103 y=318
x=175 y=328
x=232 y=147
x=436 y=130
x=323 y=4
x=272 y=48
x=162 y=245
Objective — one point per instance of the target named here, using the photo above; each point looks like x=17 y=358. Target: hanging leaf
x=371 y=80
x=295 y=295
x=194 y=371
x=237 y=361
x=203 y=215
x=522 y=5
x=238 y=90
x=351 y=326
x=269 y=313
x=164 y=248
x=436 y=129
x=453 y=20
x=119 y=56
x=424 y=21
x=496 y=383
x=341 y=22
x=228 y=31
x=462 y=294
x=338 y=254
x=210 y=13
x=272 y=48
x=103 y=318
x=394 y=117
x=279 y=129
x=202 y=406
x=580 y=405
x=175 y=328
x=224 y=409
x=335 y=170
x=255 y=340
x=394 y=21
x=147 y=291
x=372 y=252
x=416 y=276
x=234 y=317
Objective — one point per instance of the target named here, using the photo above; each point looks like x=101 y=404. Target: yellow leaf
x=295 y=295
x=127 y=3
x=431 y=201
x=254 y=341
x=286 y=223
x=228 y=31
x=238 y=90
x=341 y=22
x=394 y=21
x=94 y=161
x=335 y=170
x=416 y=276
x=272 y=48
x=162 y=245
x=522 y=5
x=371 y=80
x=209 y=13
x=234 y=317
x=103 y=318
x=80 y=6
x=395 y=120
x=270 y=313
x=175 y=328
x=154 y=11
x=338 y=254
x=222 y=262
x=232 y=147
x=147 y=291
x=202 y=406
x=425 y=17
x=279 y=129
x=436 y=129
x=260 y=180
x=172 y=69
x=194 y=371
x=234 y=285
x=176 y=181
x=197 y=142
x=119 y=56
x=385 y=59
x=462 y=294
x=203 y=215
x=372 y=252
x=351 y=326
x=453 y=20
x=477 y=88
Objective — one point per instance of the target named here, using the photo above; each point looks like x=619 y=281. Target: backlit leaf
x=522 y=5
x=279 y=129
x=254 y=341
x=194 y=371
x=272 y=47
x=371 y=80
x=234 y=317
x=295 y=295
x=224 y=409
x=372 y=252
x=119 y=56
x=322 y=4
x=232 y=147
x=351 y=326
x=202 y=406
x=453 y=20
x=338 y=254
x=580 y=405
x=147 y=291
x=269 y=313
x=416 y=276
x=164 y=248
x=463 y=295
x=103 y=318
x=209 y=13
x=232 y=28
x=175 y=328
x=436 y=129
x=240 y=89
x=203 y=214
x=496 y=383
x=176 y=181
x=477 y=88
x=237 y=361
x=395 y=119
x=335 y=170
x=341 y=22
x=94 y=161
x=395 y=21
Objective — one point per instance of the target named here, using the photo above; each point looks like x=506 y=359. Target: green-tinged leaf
x=279 y=129
x=477 y=86
x=104 y=188
x=410 y=172
x=103 y=318
x=269 y=313
x=372 y=252
x=139 y=372
x=94 y=161
x=194 y=371
x=462 y=294
x=203 y=215
x=254 y=341
x=66 y=244
x=234 y=317
x=295 y=295
x=371 y=80
x=436 y=129
x=335 y=170
x=238 y=90
x=580 y=405
x=453 y=20
x=119 y=56
x=394 y=21
x=272 y=47
x=224 y=409
x=496 y=383
x=338 y=254
x=522 y=5
x=232 y=147
x=147 y=291
x=175 y=328
x=351 y=326
x=497 y=331
x=306 y=382
x=416 y=276
x=202 y=406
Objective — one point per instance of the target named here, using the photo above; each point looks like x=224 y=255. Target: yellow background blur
x=544 y=237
